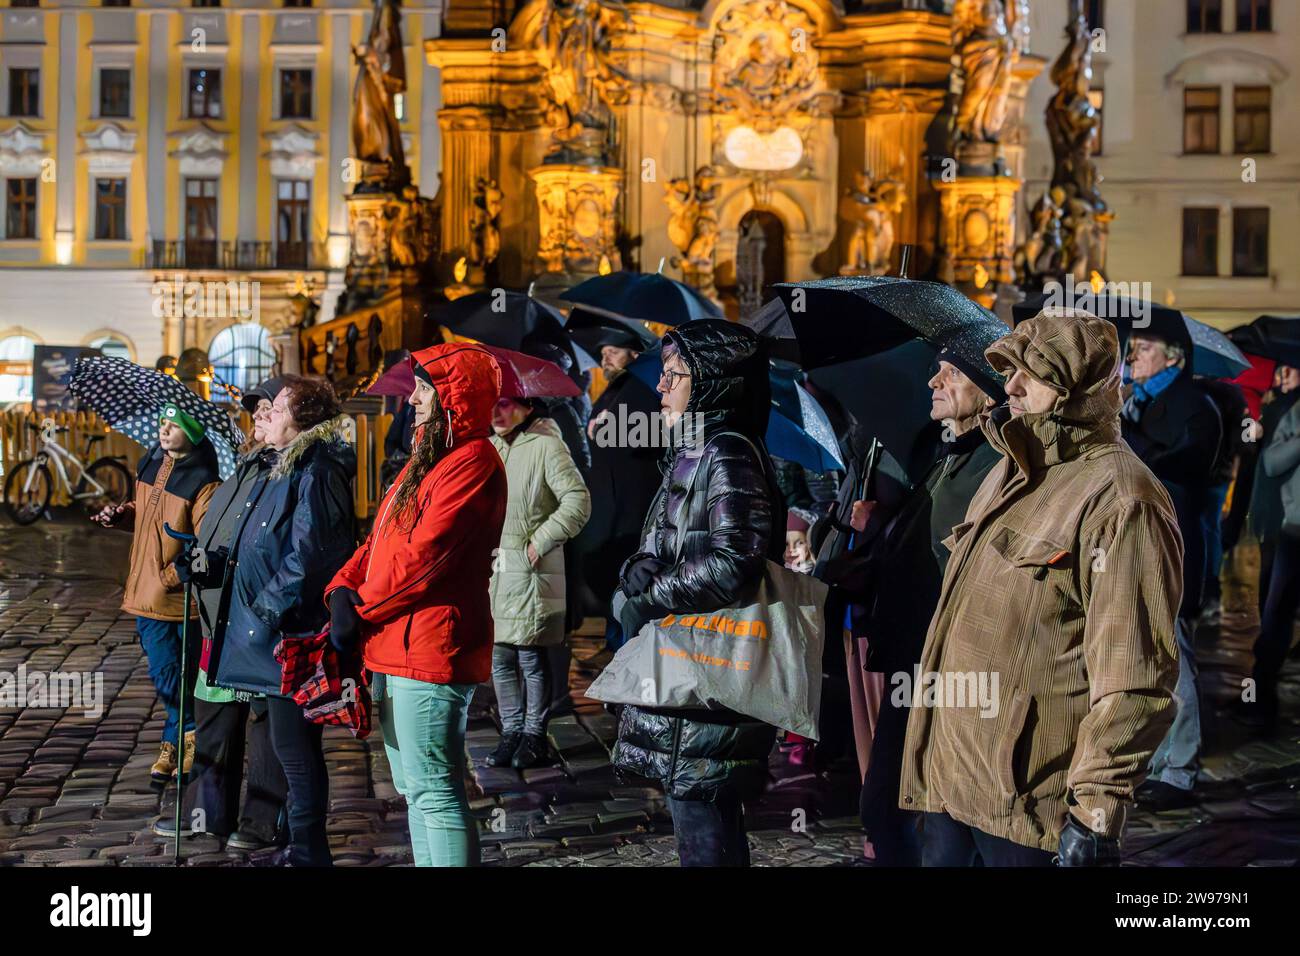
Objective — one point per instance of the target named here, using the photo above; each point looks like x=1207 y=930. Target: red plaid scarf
x=330 y=690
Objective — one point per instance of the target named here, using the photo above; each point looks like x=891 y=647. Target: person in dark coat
x=1175 y=429
x=908 y=563
x=622 y=480
x=1266 y=497
x=230 y=723
x=1231 y=404
x=289 y=545
x=701 y=552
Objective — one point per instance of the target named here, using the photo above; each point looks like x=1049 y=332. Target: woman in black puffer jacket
x=709 y=760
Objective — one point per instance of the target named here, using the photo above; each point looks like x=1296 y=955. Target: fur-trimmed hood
x=329 y=437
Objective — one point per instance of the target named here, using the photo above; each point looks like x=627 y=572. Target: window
x=207 y=3
x=205 y=93
x=297 y=3
x=114 y=92
x=1096 y=13
x=20 y=208
x=112 y=347
x=24 y=91
x=1252 y=125
x=293 y=197
x=241 y=355
x=117 y=3
x=110 y=208
x=1098 y=100
x=1200 y=242
x=16 y=355
x=200 y=223
x=1204 y=16
x=1250 y=242
x=1254 y=16
x=24 y=3
x=1201 y=119
x=295 y=94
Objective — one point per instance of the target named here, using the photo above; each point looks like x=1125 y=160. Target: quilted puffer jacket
x=731 y=525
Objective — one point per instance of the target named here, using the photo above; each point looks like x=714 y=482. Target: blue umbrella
x=797 y=430
x=1213 y=353
x=638 y=295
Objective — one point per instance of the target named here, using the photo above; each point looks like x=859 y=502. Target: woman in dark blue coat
x=299 y=532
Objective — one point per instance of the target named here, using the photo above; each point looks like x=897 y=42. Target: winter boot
x=505 y=751
x=164 y=767
x=188 y=761
x=532 y=752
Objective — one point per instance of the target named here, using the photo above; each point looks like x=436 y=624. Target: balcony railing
x=243 y=255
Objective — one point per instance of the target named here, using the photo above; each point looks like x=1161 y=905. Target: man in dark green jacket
x=908 y=562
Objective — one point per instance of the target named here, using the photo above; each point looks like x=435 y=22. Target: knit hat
x=187 y=423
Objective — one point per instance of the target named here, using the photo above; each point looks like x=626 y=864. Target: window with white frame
x=241 y=355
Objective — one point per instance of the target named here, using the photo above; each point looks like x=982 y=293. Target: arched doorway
x=241 y=355
x=760 y=258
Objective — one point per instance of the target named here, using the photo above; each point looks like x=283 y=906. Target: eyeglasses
x=671 y=377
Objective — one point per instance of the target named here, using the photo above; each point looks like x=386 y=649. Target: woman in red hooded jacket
x=416 y=595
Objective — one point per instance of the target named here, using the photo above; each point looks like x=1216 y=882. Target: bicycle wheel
x=113 y=478
x=27 y=491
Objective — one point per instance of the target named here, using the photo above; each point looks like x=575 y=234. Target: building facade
x=1201 y=166
x=173 y=176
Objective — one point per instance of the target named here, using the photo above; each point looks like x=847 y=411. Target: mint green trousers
x=424 y=737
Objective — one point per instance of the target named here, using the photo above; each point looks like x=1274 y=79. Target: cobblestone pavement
x=75 y=788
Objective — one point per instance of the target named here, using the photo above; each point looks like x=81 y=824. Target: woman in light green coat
x=548 y=504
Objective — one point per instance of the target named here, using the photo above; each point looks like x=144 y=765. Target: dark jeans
x=1278 y=624
x=161 y=641
x=1211 y=524
x=224 y=732
x=891 y=829
x=945 y=842
x=1267 y=552
x=298 y=746
x=710 y=832
x=521 y=677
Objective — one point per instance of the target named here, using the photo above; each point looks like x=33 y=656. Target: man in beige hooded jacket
x=1060 y=597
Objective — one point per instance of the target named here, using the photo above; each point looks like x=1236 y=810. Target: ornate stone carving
x=575 y=48
x=983 y=55
x=485 y=237
x=294 y=152
x=1039 y=259
x=764 y=62
x=22 y=151
x=870 y=207
x=578 y=219
x=381 y=75
x=693 y=224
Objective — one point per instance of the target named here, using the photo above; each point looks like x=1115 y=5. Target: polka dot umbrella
x=129 y=398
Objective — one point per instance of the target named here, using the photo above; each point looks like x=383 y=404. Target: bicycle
x=30 y=484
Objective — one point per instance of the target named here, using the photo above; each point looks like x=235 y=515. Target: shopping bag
x=761 y=658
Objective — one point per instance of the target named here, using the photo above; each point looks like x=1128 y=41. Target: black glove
x=1080 y=846
x=184 y=565
x=640 y=573
x=345 y=623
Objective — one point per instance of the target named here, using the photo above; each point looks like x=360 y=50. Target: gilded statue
x=1072 y=120
x=693 y=222
x=984 y=50
x=870 y=206
x=764 y=62
x=1039 y=258
x=376 y=135
x=575 y=43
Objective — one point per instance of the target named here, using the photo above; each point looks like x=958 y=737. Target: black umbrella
x=649 y=296
x=838 y=319
x=1270 y=336
x=129 y=398
x=509 y=319
x=1209 y=350
x=888 y=395
x=591 y=329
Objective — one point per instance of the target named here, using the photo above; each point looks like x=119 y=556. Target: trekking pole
x=187 y=540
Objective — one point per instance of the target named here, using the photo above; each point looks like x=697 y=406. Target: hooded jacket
x=297 y=527
x=1062 y=587
x=168 y=491
x=728 y=530
x=423 y=576
x=547 y=505
x=1281 y=464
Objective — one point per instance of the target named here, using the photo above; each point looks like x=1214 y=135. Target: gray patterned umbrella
x=129 y=398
